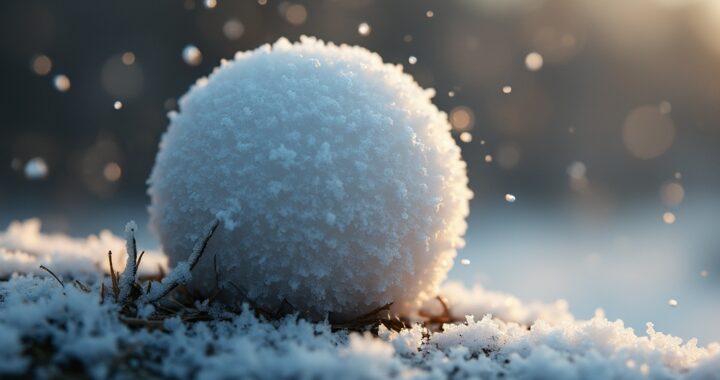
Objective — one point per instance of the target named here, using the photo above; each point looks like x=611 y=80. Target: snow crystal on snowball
x=335 y=178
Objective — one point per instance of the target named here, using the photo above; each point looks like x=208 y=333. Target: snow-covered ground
x=45 y=328
x=630 y=265
x=76 y=331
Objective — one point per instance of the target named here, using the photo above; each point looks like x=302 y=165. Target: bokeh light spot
x=128 y=58
x=462 y=118
x=192 y=55
x=577 y=170
x=36 y=168
x=61 y=83
x=296 y=14
x=364 y=29
x=668 y=218
x=672 y=193
x=233 y=29
x=41 y=64
x=648 y=133
x=112 y=171
x=534 y=61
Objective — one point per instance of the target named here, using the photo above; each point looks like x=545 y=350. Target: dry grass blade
x=259 y=310
x=445 y=317
x=144 y=323
x=367 y=320
x=177 y=277
x=139 y=260
x=284 y=309
x=375 y=312
x=43 y=267
x=113 y=278
x=81 y=286
x=199 y=248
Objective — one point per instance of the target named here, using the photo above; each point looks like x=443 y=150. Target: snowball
x=335 y=179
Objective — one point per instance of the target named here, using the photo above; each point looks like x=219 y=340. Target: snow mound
x=77 y=333
x=478 y=301
x=23 y=248
x=337 y=183
x=51 y=331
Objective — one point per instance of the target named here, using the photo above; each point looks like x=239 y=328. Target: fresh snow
x=501 y=337
x=23 y=248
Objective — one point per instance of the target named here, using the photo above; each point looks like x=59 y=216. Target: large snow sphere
x=336 y=181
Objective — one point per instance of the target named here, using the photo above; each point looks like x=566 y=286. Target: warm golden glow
x=41 y=65
x=62 y=83
x=462 y=118
x=128 y=58
x=296 y=14
x=534 y=61
x=668 y=218
x=112 y=171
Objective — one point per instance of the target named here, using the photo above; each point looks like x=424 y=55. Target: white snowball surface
x=337 y=182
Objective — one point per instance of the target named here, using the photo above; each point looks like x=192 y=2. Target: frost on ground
x=48 y=330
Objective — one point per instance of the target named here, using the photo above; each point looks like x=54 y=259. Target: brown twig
x=445 y=317
x=139 y=260
x=81 y=286
x=368 y=320
x=43 y=267
x=115 y=288
x=171 y=282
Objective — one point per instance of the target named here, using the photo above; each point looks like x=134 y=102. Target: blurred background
x=591 y=128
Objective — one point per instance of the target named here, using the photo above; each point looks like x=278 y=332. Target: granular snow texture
x=47 y=331
x=337 y=183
